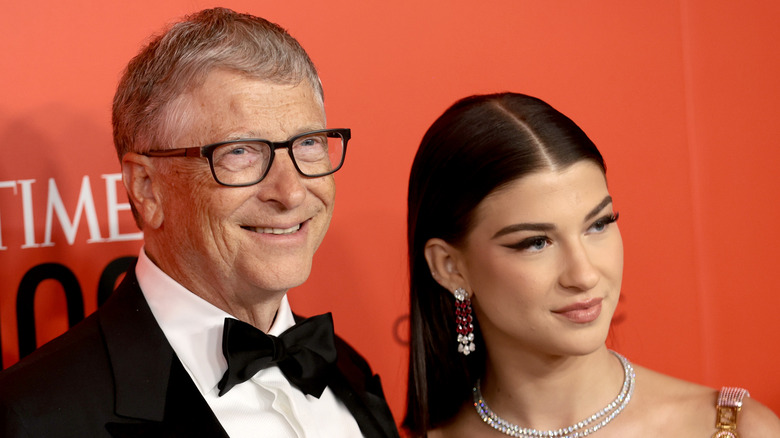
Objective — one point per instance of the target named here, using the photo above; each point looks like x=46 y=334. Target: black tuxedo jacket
x=115 y=375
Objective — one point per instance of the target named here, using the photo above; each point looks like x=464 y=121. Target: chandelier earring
x=464 y=322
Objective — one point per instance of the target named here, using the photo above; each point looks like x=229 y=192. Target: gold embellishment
x=728 y=407
x=727 y=417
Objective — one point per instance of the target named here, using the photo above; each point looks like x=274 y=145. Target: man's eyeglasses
x=245 y=162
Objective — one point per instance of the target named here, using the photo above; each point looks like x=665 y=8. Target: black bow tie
x=305 y=353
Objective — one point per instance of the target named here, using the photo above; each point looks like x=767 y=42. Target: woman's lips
x=582 y=312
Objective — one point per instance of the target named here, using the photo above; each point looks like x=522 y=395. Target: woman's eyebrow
x=530 y=226
x=525 y=226
x=607 y=200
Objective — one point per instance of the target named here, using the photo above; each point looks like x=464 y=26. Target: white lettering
x=56 y=206
x=85 y=204
x=27 y=209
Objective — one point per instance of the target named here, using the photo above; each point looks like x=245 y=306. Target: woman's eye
x=537 y=244
x=602 y=224
x=533 y=244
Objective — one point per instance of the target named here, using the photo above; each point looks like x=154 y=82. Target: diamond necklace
x=581 y=429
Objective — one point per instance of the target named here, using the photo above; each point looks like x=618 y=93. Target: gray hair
x=148 y=106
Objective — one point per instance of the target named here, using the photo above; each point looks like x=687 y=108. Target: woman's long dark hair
x=480 y=144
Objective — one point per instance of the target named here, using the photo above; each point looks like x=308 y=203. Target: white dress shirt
x=265 y=405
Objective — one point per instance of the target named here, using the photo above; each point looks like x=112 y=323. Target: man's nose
x=283 y=183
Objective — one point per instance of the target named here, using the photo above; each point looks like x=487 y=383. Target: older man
x=220 y=128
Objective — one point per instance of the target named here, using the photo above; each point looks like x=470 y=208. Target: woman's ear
x=443 y=260
x=137 y=175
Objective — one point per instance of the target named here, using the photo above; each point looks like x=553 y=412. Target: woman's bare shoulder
x=663 y=390
x=757 y=421
x=662 y=404
x=693 y=406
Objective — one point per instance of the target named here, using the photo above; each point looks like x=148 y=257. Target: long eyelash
x=606 y=220
x=525 y=243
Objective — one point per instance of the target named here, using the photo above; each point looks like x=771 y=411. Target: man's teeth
x=292 y=229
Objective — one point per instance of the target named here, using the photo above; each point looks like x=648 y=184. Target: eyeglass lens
x=315 y=154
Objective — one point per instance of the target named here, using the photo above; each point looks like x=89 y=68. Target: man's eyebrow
x=530 y=226
x=238 y=135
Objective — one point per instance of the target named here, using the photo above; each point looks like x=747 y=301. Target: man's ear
x=443 y=261
x=138 y=177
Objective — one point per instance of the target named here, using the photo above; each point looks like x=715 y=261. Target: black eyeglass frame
x=208 y=152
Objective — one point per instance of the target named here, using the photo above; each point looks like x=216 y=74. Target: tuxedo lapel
x=153 y=391
x=361 y=392
x=186 y=413
x=139 y=353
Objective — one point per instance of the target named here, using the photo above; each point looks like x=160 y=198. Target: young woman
x=516 y=264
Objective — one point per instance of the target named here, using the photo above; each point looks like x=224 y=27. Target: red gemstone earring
x=464 y=321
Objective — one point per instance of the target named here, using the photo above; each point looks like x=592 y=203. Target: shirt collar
x=192 y=325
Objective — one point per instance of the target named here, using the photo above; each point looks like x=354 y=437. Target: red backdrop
x=680 y=96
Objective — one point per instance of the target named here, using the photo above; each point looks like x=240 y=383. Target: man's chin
x=278 y=278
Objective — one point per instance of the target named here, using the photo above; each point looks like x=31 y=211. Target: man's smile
x=268 y=230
